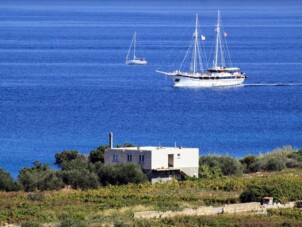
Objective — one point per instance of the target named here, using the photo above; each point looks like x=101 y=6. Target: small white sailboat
x=135 y=60
x=217 y=76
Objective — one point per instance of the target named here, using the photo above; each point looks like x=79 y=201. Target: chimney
x=110 y=140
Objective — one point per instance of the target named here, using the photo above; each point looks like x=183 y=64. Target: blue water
x=64 y=84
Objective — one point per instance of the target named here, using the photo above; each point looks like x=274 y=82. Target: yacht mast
x=218 y=41
x=195 y=44
x=134 y=45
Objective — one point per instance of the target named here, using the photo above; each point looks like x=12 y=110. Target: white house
x=158 y=163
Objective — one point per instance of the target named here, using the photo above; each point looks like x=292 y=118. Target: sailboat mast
x=217 y=40
x=195 y=44
x=134 y=45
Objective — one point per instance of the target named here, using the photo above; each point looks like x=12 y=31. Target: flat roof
x=151 y=148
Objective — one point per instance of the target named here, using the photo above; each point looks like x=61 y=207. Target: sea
x=64 y=84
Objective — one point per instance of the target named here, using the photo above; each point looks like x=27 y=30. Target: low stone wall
x=241 y=207
x=190 y=212
x=168 y=214
x=226 y=209
x=279 y=205
x=147 y=214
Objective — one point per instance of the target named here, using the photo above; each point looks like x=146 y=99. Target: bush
x=283 y=189
x=30 y=224
x=130 y=173
x=125 y=145
x=293 y=164
x=7 y=183
x=227 y=164
x=71 y=222
x=120 y=174
x=269 y=163
x=254 y=193
x=248 y=161
x=66 y=156
x=209 y=172
x=78 y=163
x=80 y=179
x=37 y=196
x=98 y=154
x=275 y=164
x=40 y=177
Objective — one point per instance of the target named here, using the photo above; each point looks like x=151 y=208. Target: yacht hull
x=181 y=81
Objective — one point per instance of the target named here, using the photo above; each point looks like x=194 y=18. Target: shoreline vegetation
x=87 y=192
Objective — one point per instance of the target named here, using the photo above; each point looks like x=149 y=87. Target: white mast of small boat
x=135 y=60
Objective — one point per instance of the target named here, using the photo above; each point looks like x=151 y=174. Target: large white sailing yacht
x=135 y=60
x=217 y=76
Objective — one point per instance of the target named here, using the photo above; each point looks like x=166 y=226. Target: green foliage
x=227 y=165
x=98 y=154
x=40 y=177
x=276 y=160
x=283 y=189
x=125 y=145
x=220 y=221
x=254 y=193
x=78 y=163
x=80 y=179
x=115 y=204
x=36 y=196
x=209 y=172
x=72 y=222
x=119 y=174
x=289 y=213
x=7 y=183
x=275 y=164
x=248 y=161
x=66 y=156
x=30 y=224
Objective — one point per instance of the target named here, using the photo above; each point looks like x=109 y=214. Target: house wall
x=185 y=159
x=123 y=157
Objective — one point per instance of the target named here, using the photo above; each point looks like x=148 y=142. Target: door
x=170 y=160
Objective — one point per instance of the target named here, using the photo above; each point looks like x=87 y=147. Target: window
x=115 y=158
x=129 y=157
x=141 y=158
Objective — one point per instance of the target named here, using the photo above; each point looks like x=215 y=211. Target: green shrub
x=254 y=193
x=247 y=161
x=30 y=224
x=275 y=164
x=268 y=163
x=283 y=189
x=78 y=163
x=36 y=196
x=227 y=165
x=7 y=183
x=98 y=154
x=80 y=179
x=125 y=145
x=120 y=174
x=293 y=164
x=66 y=156
x=72 y=222
x=207 y=172
x=40 y=177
